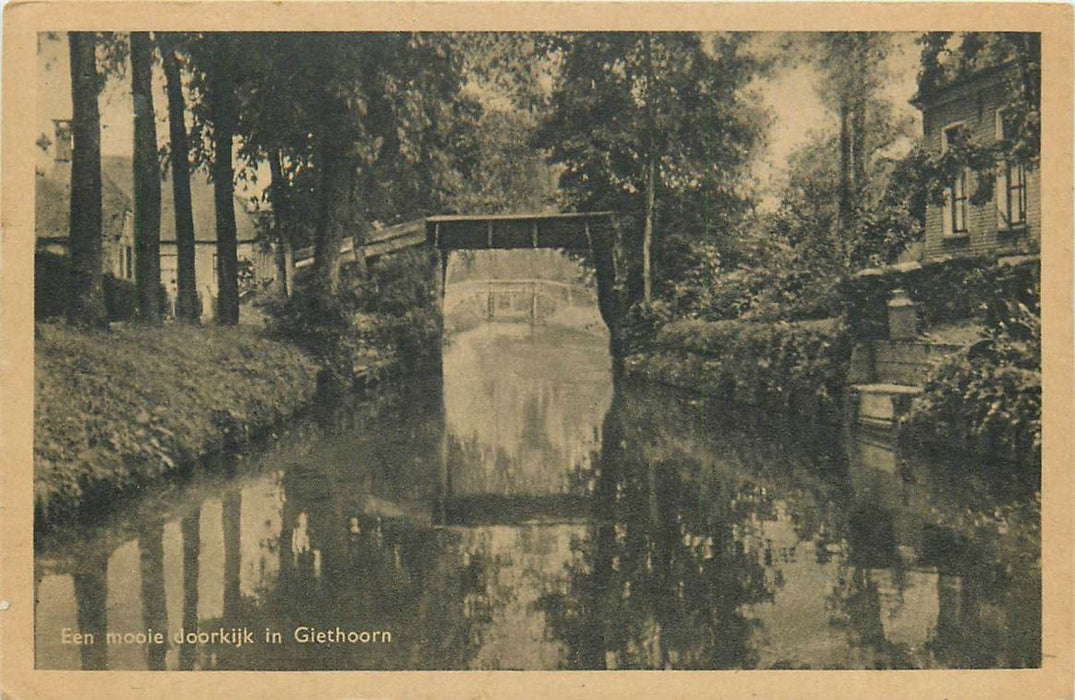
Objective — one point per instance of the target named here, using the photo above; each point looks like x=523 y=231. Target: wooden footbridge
x=592 y=233
x=507 y=299
x=568 y=231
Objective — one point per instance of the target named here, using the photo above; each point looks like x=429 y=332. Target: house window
x=127 y=262
x=1010 y=188
x=1013 y=197
x=955 y=204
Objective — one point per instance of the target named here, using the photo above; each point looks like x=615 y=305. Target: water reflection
x=525 y=514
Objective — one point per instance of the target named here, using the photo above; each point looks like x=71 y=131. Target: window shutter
x=1000 y=191
x=946 y=212
x=1000 y=195
x=1020 y=199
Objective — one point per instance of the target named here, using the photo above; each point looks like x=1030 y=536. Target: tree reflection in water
x=662 y=578
x=717 y=545
x=663 y=533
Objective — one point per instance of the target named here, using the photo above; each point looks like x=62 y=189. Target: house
x=52 y=201
x=52 y=204
x=1010 y=223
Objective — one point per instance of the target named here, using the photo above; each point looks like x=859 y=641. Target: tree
x=86 y=306
x=285 y=251
x=648 y=98
x=506 y=76
x=334 y=191
x=223 y=109
x=365 y=127
x=852 y=66
x=147 y=187
x=501 y=172
x=187 y=307
x=657 y=127
x=885 y=215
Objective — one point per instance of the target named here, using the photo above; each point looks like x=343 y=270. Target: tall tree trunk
x=147 y=182
x=224 y=122
x=651 y=176
x=859 y=90
x=358 y=234
x=334 y=189
x=285 y=252
x=858 y=149
x=86 y=305
x=187 y=307
x=845 y=203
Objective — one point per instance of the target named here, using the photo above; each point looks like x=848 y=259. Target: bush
x=987 y=399
x=946 y=291
x=121 y=299
x=778 y=366
x=642 y=323
x=52 y=277
x=389 y=312
x=768 y=285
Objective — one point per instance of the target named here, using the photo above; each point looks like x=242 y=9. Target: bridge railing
x=459 y=293
x=387 y=240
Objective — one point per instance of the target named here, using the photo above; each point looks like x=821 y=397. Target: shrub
x=768 y=284
x=121 y=299
x=987 y=399
x=52 y=274
x=388 y=312
x=642 y=323
x=779 y=366
x=945 y=291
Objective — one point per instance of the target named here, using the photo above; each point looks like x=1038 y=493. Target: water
x=526 y=514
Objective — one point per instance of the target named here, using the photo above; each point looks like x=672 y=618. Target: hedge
x=945 y=291
x=52 y=275
x=793 y=366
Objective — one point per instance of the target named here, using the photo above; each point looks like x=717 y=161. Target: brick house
x=52 y=193
x=1010 y=223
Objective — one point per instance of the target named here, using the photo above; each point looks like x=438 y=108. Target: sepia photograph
x=544 y=350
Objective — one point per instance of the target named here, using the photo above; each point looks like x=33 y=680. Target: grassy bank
x=115 y=410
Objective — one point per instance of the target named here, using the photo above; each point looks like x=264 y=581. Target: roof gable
x=52 y=203
x=203 y=202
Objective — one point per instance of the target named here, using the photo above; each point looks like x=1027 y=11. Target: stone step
x=907 y=362
x=881 y=404
x=901 y=372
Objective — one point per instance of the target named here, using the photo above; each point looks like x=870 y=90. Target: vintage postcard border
x=23 y=20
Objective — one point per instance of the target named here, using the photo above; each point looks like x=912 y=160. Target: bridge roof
x=571 y=230
x=543 y=216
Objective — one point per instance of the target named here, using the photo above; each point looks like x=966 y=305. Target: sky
x=117 y=122
x=797 y=110
x=788 y=94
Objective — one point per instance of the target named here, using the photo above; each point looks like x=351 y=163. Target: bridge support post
x=440 y=277
x=609 y=300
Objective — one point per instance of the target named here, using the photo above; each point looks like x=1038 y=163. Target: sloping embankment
x=114 y=410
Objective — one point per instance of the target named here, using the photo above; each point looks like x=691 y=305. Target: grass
x=116 y=409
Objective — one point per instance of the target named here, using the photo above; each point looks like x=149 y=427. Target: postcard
x=566 y=349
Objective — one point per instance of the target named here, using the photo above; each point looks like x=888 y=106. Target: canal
x=525 y=512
